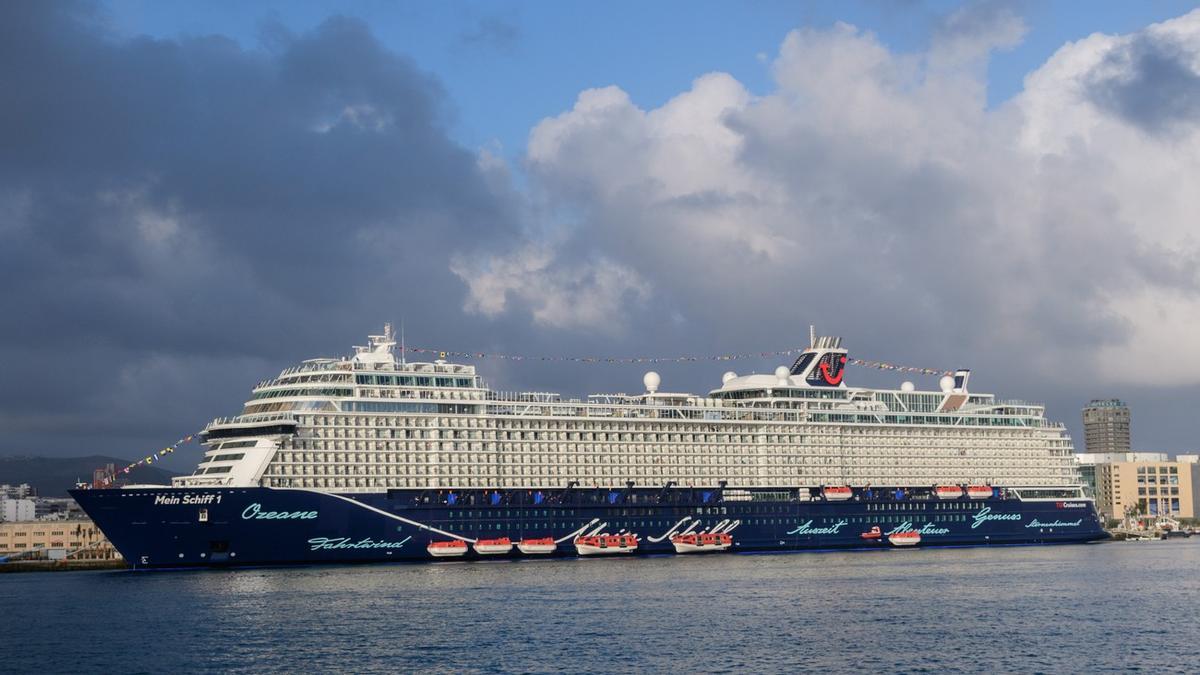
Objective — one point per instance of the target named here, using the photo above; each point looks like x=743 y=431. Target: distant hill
x=53 y=476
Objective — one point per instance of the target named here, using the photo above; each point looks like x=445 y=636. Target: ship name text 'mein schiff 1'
x=373 y=458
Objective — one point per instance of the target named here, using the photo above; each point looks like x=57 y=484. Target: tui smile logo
x=833 y=368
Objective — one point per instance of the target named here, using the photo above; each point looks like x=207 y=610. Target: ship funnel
x=822 y=364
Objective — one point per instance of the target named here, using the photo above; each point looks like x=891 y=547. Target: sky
x=194 y=196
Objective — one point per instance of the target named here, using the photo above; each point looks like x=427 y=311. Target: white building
x=16 y=491
x=14 y=510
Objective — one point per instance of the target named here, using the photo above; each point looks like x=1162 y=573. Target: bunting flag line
x=149 y=459
x=443 y=353
x=878 y=365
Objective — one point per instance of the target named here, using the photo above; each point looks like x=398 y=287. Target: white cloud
x=592 y=295
x=878 y=190
x=968 y=34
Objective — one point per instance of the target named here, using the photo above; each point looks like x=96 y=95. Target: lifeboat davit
x=873 y=533
x=543 y=546
x=447 y=549
x=702 y=543
x=980 y=491
x=603 y=544
x=948 y=492
x=837 y=493
x=493 y=546
x=909 y=538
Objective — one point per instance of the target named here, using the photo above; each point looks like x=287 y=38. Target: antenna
x=812 y=336
x=403 y=352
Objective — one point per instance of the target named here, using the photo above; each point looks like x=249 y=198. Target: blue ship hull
x=200 y=527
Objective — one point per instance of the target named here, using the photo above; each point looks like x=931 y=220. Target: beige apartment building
x=80 y=539
x=1161 y=488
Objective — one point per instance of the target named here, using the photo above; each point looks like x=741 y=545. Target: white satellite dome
x=729 y=375
x=946 y=383
x=907 y=386
x=651 y=380
x=781 y=376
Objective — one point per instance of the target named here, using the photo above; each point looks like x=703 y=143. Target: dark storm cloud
x=1150 y=83
x=173 y=209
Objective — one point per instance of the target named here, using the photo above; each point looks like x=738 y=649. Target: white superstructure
x=373 y=422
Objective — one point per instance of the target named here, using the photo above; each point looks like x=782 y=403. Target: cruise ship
x=375 y=458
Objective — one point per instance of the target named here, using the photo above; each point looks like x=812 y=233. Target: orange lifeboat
x=948 y=492
x=837 y=493
x=493 y=546
x=873 y=533
x=603 y=544
x=702 y=543
x=447 y=549
x=543 y=546
x=980 y=491
x=909 y=538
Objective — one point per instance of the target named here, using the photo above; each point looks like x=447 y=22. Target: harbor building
x=1088 y=461
x=1106 y=426
x=40 y=540
x=1154 y=487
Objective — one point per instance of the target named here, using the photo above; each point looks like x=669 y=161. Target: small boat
x=979 y=491
x=948 y=492
x=493 y=546
x=606 y=543
x=873 y=533
x=543 y=546
x=447 y=549
x=909 y=538
x=702 y=543
x=837 y=493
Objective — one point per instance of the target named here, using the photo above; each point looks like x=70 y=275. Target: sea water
x=1054 y=609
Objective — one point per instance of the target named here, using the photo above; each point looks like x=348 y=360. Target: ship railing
x=1019 y=403
x=195 y=480
x=577 y=409
x=333 y=378
x=413 y=367
x=314 y=366
x=252 y=419
x=524 y=396
x=409 y=367
x=522 y=404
